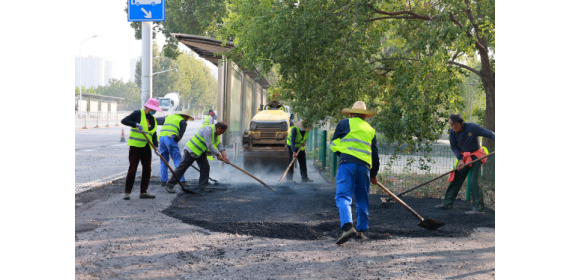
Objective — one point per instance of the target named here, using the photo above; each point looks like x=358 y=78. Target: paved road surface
x=101 y=157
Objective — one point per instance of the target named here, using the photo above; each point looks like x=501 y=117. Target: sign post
x=146 y=11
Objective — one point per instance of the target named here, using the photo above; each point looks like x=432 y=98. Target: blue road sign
x=146 y=10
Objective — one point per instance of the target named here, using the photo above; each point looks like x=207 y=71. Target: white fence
x=108 y=119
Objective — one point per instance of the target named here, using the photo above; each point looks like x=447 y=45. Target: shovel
x=181 y=186
x=430 y=223
x=423 y=184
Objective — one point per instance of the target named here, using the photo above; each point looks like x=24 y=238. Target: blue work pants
x=353 y=178
x=169 y=146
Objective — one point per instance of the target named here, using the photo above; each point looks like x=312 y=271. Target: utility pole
x=146 y=62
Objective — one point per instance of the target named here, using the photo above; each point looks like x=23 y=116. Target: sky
x=116 y=40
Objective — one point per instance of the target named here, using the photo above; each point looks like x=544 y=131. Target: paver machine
x=265 y=142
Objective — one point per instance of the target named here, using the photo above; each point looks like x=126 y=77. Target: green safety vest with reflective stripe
x=457 y=161
x=298 y=139
x=357 y=142
x=136 y=138
x=198 y=144
x=171 y=126
x=206 y=121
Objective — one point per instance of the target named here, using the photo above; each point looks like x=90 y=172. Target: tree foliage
x=194 y=80
x=402 y=58
x=200 y=17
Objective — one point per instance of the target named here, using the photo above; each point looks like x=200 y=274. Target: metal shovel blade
x=431 y=224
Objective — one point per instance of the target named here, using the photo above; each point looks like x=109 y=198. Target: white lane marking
x=81 y=187
x=88 y=150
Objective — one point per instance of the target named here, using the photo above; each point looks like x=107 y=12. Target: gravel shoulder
x=159 y=238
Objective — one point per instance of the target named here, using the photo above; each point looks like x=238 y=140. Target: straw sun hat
x=359 y=108
x=186 y=112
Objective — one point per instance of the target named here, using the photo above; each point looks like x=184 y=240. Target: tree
x=162 y=83
x=193 y=81
x=402 y=58
x=200 y=17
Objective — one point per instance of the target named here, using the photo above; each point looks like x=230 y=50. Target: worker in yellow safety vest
x=354 y=141
x=142 y=122
x=205 y=144
x=209 y=120
x=173 y=128
x=297 y=149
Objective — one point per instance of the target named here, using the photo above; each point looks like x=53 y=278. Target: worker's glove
x=176 y=138
x=156 y=152
x=139 y=126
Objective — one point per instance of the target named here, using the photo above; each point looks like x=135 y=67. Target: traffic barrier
x=122 y=135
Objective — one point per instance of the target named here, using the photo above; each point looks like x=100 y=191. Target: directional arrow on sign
x=147 y=14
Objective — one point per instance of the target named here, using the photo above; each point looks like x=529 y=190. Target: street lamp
x=80 y=93
x=175 y=69
x=471 y=103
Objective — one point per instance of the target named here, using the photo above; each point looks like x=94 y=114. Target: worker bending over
x=141 y=121
x=354 y=141
x=465 y=146
x=300 y=134
x=205 y=144
x=173 y=128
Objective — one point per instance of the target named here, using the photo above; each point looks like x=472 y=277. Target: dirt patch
x=308 y=212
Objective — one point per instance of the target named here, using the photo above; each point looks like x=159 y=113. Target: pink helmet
x=152 y=104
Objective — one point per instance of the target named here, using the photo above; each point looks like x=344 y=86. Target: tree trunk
x=488 y=170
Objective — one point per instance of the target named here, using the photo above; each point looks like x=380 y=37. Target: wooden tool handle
x=251 y=176
x=288 y=167
x=423 y=184
x=399 y=200
x=166 y=162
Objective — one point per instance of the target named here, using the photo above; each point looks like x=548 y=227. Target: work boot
x=204 y=188
x=146 y=195
x=127 y=196
x=291 y=181
x=170 y=189
x=346 y=236
x=163 y=184
x=360 y=235
x=445 y=207
x=306 y=180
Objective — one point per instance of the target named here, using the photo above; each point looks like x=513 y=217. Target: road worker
x=173 y=128
x=354 y=141
x=296 y=148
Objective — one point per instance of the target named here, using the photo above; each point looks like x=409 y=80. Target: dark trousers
x=187 y=160
x=455 y=186
x=302 y=159
x=143 y=155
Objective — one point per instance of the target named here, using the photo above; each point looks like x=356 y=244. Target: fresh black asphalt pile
x=308 y=212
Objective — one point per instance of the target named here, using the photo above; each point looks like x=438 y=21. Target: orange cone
x=122 y=135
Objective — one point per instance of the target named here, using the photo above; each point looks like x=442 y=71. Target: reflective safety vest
x=298 y=139
x=171 y=126
x=206 y=121
x=198 y=144
x=357 y=142
x=136 y=138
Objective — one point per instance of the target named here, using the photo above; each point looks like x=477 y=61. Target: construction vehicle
x=169 y=103
x=265 y=142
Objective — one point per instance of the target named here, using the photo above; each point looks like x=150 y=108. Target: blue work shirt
x=466 y=140
x=342 y=129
